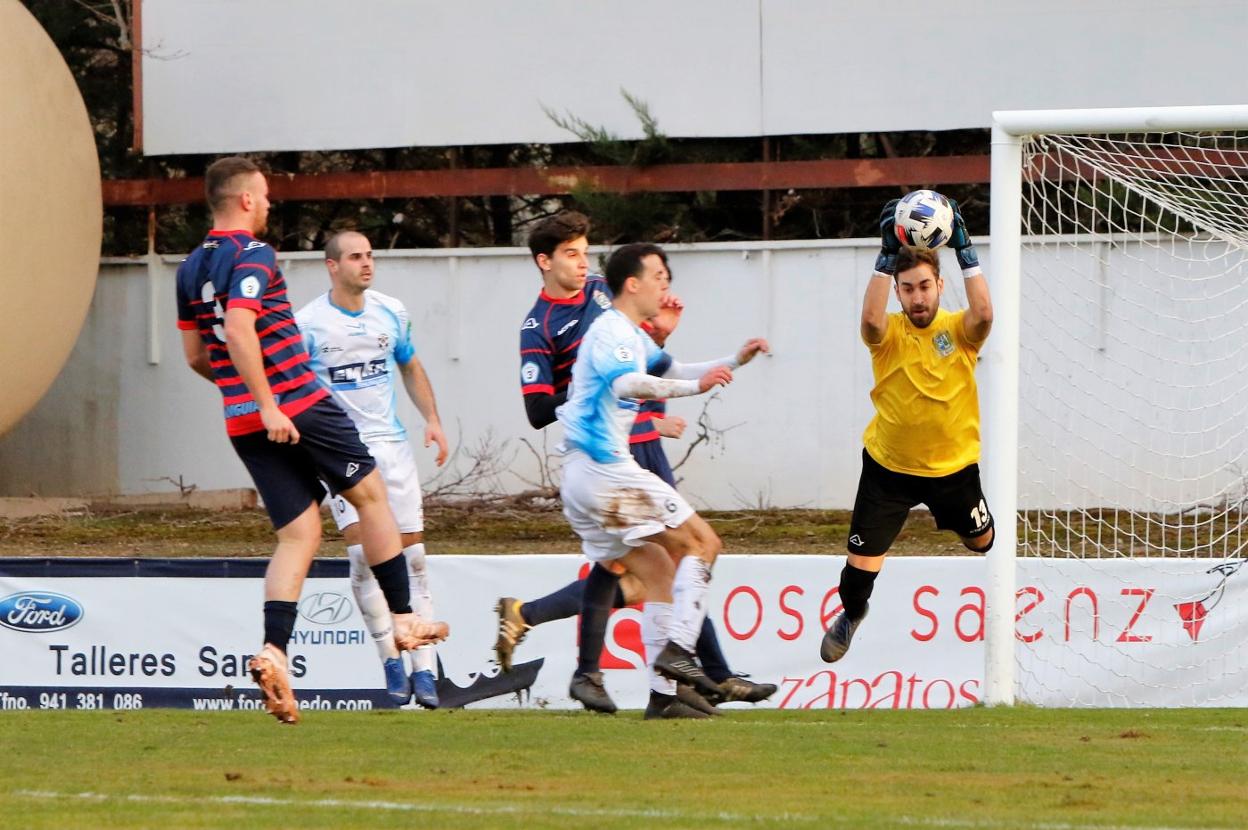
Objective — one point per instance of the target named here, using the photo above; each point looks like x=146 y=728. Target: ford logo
x=326 y=608
x=39 y=611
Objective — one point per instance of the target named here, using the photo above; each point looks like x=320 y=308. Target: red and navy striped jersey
x=233 y=269
x=549 y=338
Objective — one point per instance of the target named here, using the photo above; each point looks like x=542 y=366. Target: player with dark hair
x=238 y=332
x=627 y=516
x=922 y=446
x=359 y=343
x=570 y=300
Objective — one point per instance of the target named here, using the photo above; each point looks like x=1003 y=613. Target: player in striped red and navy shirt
x=238 y=332
x=571 y=299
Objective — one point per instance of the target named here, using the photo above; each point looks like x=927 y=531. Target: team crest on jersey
x=601 y=300
x=383 y=341
x=528 y=372
x=624 y=354
x=250 y=287
x=943 y=344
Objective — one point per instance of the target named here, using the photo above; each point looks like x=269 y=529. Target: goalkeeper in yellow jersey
x=922 y=446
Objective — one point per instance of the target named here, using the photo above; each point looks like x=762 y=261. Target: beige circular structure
x=50 y=213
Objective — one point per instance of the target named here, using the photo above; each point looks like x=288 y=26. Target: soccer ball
x=924 y=219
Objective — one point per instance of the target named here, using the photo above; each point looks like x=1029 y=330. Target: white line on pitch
x=540 y=809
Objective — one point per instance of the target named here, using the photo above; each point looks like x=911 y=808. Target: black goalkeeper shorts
x=885 y=498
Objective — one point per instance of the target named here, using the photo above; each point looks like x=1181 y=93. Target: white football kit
x=609 y=499
x=356 y=356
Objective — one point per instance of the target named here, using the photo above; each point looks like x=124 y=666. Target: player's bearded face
x=259 y=190
x=919 y=291
x=568 y=266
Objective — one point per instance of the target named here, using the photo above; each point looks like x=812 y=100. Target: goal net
x=1132 y=429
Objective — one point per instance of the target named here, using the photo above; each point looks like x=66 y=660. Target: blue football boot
x=397 y=684
x=424 y=689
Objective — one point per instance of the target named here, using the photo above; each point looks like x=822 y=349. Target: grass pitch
x=978 y=768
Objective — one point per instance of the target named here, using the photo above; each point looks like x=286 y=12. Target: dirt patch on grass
x=102 y=530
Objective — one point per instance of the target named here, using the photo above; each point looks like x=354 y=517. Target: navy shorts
x=650 y=455
x=885 y=497
x=288 y=476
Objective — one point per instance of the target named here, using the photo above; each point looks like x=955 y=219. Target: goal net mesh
x=1133 y=423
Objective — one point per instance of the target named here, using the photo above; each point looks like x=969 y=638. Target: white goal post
x=1136 y=189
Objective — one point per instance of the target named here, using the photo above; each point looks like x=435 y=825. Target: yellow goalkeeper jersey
x=926 y=402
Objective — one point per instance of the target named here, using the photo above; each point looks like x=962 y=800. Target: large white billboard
x=253 y=75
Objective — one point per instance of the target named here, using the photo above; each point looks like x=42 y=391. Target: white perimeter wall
x=786 y=433
x=251 y=75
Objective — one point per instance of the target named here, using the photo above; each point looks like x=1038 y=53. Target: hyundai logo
x=39 y=611
x=326 y=608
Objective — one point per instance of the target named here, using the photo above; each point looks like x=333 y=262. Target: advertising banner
x=117 y=634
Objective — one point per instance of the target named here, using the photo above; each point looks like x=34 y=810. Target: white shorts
x=397 y=466
x=614 y=507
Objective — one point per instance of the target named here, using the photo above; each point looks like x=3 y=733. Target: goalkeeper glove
x=960 y=241
x=890 y=245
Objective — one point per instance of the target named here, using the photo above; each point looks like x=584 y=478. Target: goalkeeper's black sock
x=856 y=586
x=392 y=577
x=279 y=622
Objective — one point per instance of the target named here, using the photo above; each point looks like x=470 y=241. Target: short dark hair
x=553 y=231
x=333 y=248
x=910 y=257
x=220 y=174
x=625 y=262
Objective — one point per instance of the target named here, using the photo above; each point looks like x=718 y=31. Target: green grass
x=1024 y=768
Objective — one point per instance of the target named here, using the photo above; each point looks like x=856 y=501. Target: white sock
x=655 y=618
x=693 y=578
x=424 y=658
x=372 y=603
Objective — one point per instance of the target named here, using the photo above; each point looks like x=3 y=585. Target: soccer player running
x=358 y=340
x=627 y=517
x=570 y=300
x=238 y=332
x=922 y=446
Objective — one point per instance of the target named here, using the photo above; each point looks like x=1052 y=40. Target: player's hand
x=960 y=241
x=670 y=426
x=719 y=376
x=664 y=323
x=281 y=429
x=433 y=433
x=890 y=245
x=752 y=347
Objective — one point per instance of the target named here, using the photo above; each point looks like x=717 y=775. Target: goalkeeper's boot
x=268 y=670
x=588 y=688
x=397 y=685
x=424 y=689
x=837 y=638
x=740 y=688
x=669 y=707
x=688 y=696
x=411 y=632
x=511 y=630
x=675 y=663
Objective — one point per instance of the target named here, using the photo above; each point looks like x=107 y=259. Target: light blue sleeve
x=404 y=348
x=614 y=356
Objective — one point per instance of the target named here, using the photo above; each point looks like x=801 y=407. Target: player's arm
x=645 y=387
x=244 y=346
x=977 y=321
x=874 y=323
x=537 y=377
x=420 y=390
x=196 y=352
x=689 y=371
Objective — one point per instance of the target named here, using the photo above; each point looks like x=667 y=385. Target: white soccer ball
x=924 y=219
